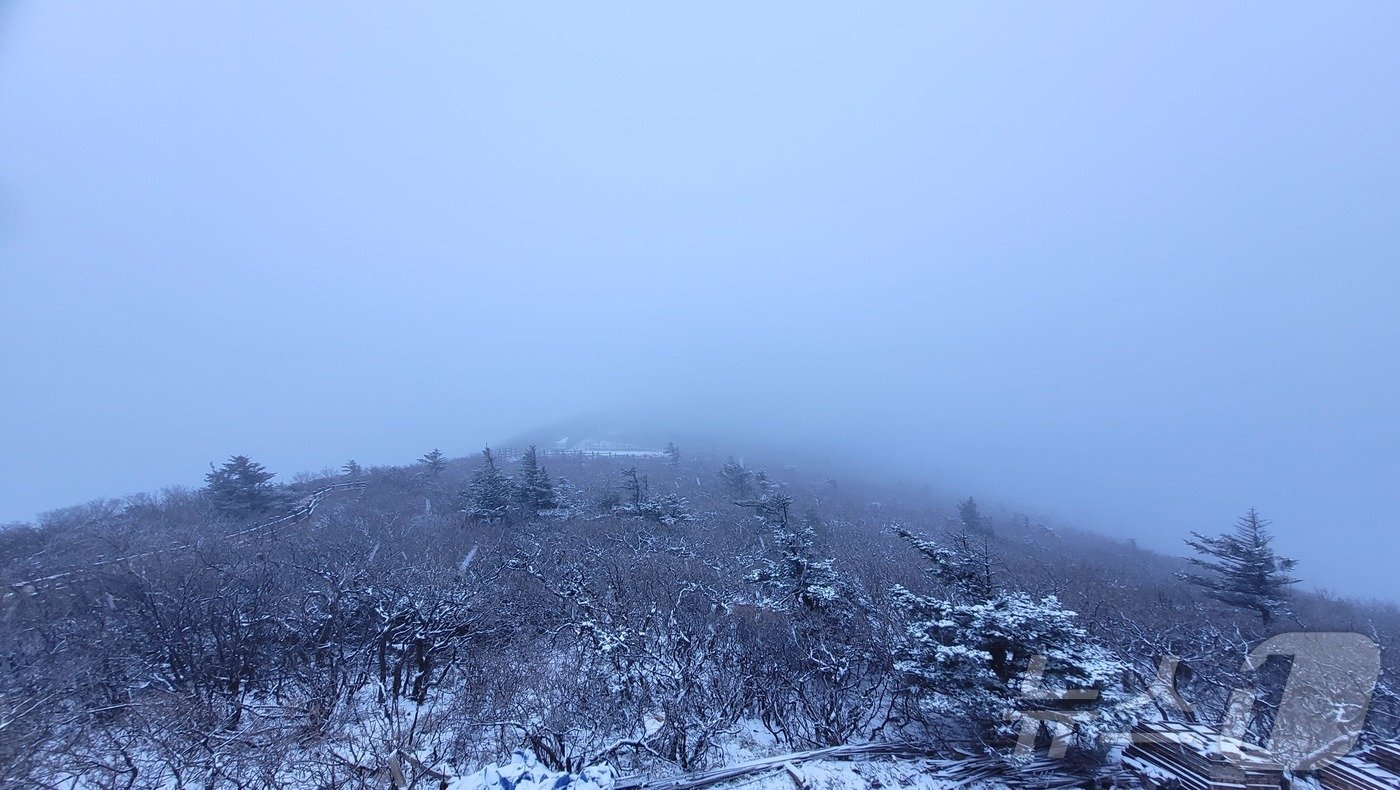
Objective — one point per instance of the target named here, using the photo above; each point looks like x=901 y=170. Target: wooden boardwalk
x=1196 y=757
x=1172 y=756
x=1043 y=774
x=1373 y=768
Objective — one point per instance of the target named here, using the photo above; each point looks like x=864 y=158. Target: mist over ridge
x=672 y=396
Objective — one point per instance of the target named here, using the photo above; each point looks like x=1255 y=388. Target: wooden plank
x=1386 y=755
x=1199 y=758
x=1042 y=774
x=1366 y=770
x=798 y=778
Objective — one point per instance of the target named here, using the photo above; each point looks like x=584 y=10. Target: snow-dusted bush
x=667 y=509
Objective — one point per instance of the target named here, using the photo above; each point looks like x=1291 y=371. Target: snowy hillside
x=615 y=613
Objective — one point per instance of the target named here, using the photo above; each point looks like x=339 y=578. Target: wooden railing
x=514 y=453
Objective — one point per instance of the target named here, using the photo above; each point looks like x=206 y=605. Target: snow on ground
x=524 y=772
x=749 y=742
x=752 y=741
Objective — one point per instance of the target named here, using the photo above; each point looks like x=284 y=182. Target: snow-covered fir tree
x=667 y=509
x=570 y=500
x=240 y=488
x=737 y=478
x=534 y=493
x=635 y=488
x=1244 y=571
x=970 y=649
x=961 y=564
x=488 y=494
x=433 y=462
x=971 y=518
x=798 y=575
x=635 y=499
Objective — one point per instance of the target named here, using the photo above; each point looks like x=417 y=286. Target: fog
x=1131 y=267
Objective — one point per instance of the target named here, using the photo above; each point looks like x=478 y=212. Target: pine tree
x=673 y=453
x=352 y=469
x=1244 y=571
x=534 y=492
x=488 y=494
x=240 y=487
x=434 y=462
x=568 y=498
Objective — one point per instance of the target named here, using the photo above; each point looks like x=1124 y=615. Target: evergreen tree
x=1244 y=571
x=352 y=469
x=635 y=499
x=773 y=508
x=799 y=576
x=569 y=499
x=534 y=492
x=488 y=494
x=610 y=499
x=968 y=649
x=634 y=488
x=961 y=565
x=737 y=477
x=970 y=659
x=240 y=487
x=434 y=462
x=673 y=453
x=668 y=509
x=970 y=518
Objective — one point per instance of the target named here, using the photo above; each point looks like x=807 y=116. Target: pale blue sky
x=1135 y=264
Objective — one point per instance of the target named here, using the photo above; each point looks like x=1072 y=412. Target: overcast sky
x=1137 y=265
